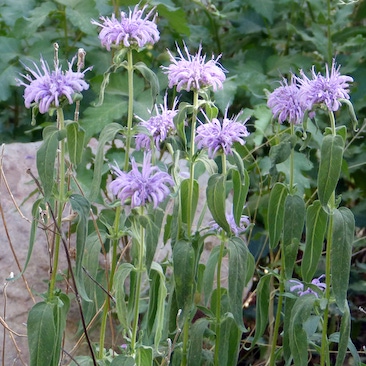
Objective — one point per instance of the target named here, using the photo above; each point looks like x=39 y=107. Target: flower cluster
x=48 y=88
x=291 y=100
x=216 y=136
x=131 y=30
x=148 y=185
x=299 y=287
x=193 y=72
x=285 y=102
x=158 y=126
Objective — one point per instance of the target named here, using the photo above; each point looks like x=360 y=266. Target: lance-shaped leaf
x=184 y=194
x=184 y=274
x=46 y=156
x=341 y=251
x=108 y=134
x=216 y=196
x=150 y=77
x=344 y=336
x=42 y=335
x=298 y=338
x=330 y=166
x=123 y=271
x=82 y=206
x=75 y=142
x=240 y=188
x=240 y=260
x=292 y=231
x=276 y=211
x=262 y=307
x=316 y=225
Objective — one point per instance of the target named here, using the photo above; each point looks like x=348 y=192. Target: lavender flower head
x=235 y=229
x=142 y=187
x=328 y=89
x=48 y=88
x=216 y=136
x=285 y=102
x=299 y=287
x=158 y=126
x=131 y=31
x=193 y=72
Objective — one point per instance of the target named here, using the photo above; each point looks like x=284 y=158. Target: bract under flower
x=193 y=72
x=131 y=30
x=47 y=88
x=148 y=185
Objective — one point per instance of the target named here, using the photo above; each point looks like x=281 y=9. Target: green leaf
x=341 y=252
x=316 y=225
x=184 y=194
x=240 y=188
x=175 y=16
x=344 y=336
x=239 y=260
x=209 y=273
x=298 y=338
x=82 y=206
x=120 y=277
x=107 y=135
x=184 y=274
x=196 y=338
x=330 y=166
x=150 y=77
x=46 y=156
x=75 y=142
x=42 y=334
x=216 y=196
x=262 y=307
x=144 y=356
x=158 y=293
x=230 y=334
x=292 y=231
x=276 y=211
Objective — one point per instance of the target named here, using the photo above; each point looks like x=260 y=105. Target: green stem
x=218 y=285
x=278 y=313
x=140 y=270
x=60 y=201
x=192 y=163
x=110 y=279
x=292 y=158
x=324 y=344
x=130 y=71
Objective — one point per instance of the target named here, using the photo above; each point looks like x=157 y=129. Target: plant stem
x=130 y=70
x=192 y=163
x=110 y=279
x=140 y=270
x=59 y=202
x=218 y=280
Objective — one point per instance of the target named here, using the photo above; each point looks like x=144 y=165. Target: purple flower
x=216 y=136
x=131 y=31
x=194 y=73
x=158 y=126
x=48 y=88
x=328 y=89
x=299 y=287
x=235 y=229
x=148 y=185
x=285 y=102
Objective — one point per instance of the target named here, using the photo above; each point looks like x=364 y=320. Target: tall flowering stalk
x=133 y=31
x=195 y=74
x=292 y=102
